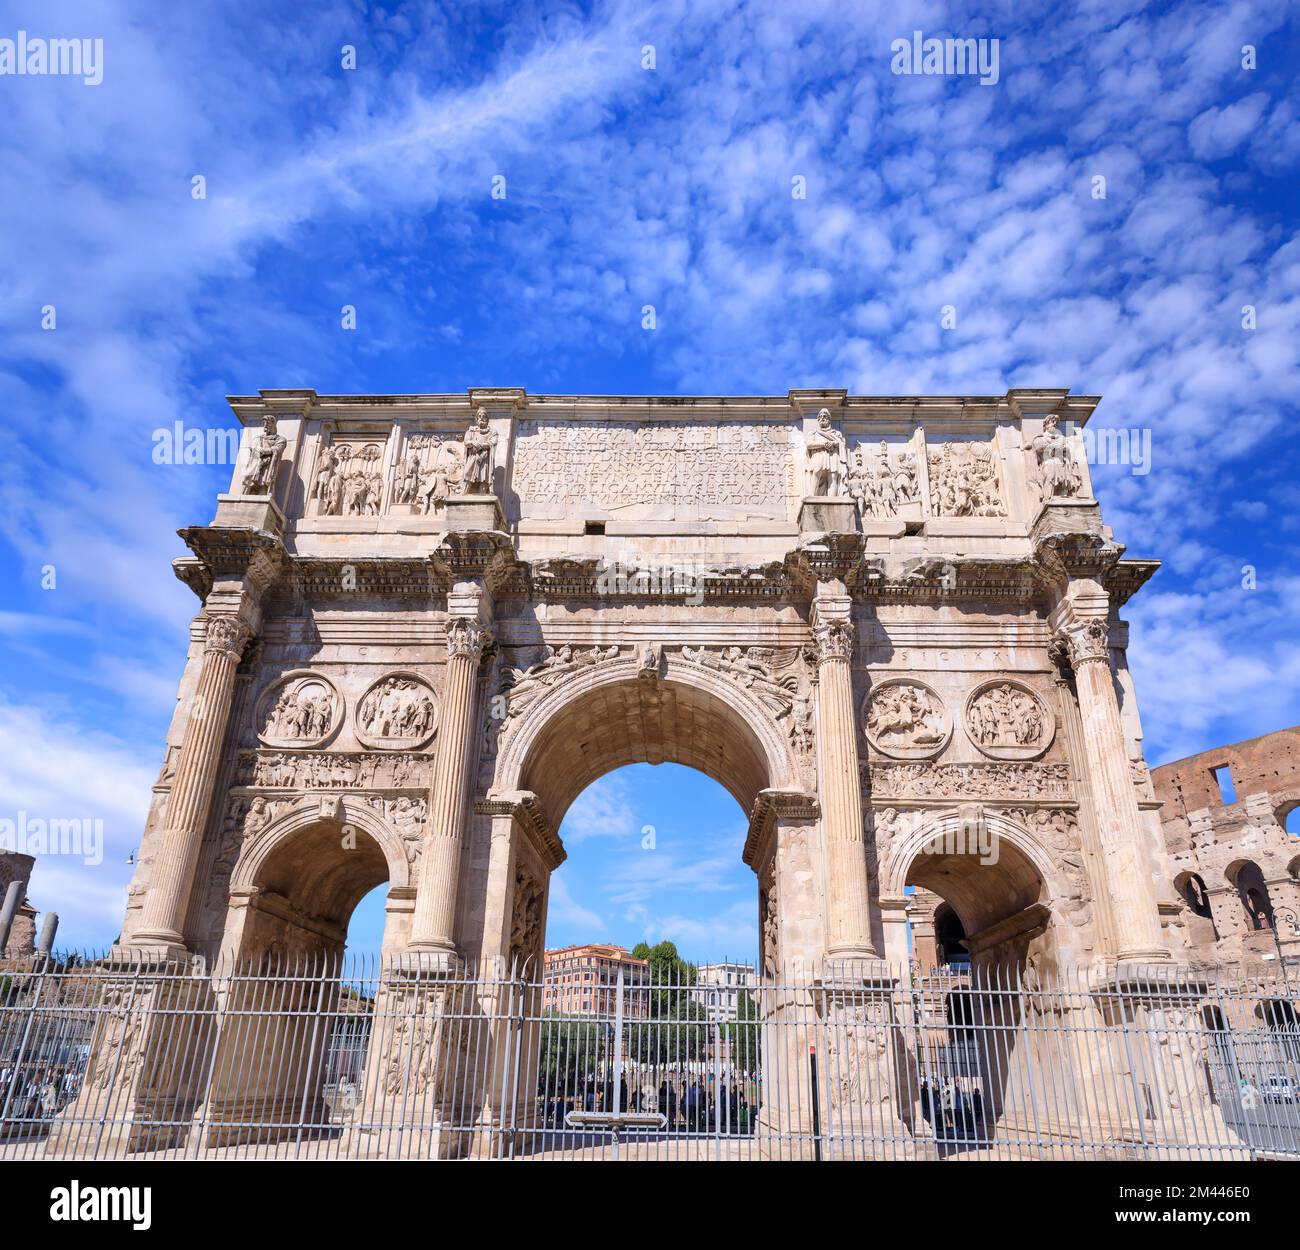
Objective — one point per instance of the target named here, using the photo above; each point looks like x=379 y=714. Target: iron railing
x=393 y=1059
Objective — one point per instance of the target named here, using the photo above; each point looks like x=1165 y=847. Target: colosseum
x=1231 y=821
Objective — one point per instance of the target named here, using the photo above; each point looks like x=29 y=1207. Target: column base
x=147 y=950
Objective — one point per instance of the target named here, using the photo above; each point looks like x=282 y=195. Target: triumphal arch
x=888 y=626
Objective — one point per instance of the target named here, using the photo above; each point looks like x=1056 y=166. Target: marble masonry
x=889 y=626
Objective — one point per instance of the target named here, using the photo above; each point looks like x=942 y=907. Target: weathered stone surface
x=1235 y=867
x=429 y=621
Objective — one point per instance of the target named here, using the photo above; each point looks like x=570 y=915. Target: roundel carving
x=398 y=713
x=906 y=720
x=1008 y=721
x=301 y=709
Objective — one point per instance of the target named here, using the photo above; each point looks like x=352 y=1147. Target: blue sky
x=626 y=186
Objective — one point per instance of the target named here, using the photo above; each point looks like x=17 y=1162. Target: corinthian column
x=187 y=806
x=433 y=925
x=848 y=921
x=1128 y=875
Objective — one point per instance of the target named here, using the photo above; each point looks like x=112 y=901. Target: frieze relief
x=974 y=781
x=1007 y=720
x=906 y=719
x=336 y=770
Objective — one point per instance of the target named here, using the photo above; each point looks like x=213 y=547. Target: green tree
x=674 y=1027
x=743 y=1033
x=571 y=1050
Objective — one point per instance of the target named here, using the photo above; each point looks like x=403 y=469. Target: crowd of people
x=952 y=1110
x=37 y=1094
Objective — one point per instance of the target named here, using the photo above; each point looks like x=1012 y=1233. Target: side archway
x=298 y=880
x=994 y=875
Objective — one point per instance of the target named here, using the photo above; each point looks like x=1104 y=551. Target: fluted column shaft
x=188 y=804
x=1119 y=822
x=434 y=921
x=848 y=928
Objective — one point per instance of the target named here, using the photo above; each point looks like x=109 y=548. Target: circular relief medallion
x=300 y=710
x=906 y=720
x=1008 y=721
x=398 y=713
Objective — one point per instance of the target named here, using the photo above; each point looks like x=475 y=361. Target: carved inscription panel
x=663 y=470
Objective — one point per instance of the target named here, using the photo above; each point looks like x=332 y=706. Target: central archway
x=607 y=717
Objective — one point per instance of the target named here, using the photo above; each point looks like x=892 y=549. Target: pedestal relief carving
x=906 y=719
x=398 y=712
x=301 y=709
x=1006 y=720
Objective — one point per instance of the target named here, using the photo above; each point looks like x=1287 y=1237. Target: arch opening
x=654 y=854
x=638 y=721
x=303 y=890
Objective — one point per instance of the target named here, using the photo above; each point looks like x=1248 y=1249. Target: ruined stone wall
x=1220 y=852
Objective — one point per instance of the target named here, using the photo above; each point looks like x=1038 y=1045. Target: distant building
x=718 y=986
x=1235 y=863
x=582 y=980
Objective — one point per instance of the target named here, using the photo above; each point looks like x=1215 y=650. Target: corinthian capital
x=227 y=635
x=467 y=637
x=1087 y=641
x=833 y=639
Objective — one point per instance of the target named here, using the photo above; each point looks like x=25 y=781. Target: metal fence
x=365 y=1059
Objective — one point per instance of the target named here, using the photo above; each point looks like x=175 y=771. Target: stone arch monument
x=888 y=626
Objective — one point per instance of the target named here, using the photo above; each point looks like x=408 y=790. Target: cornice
x=528 y=810
x=226 y=551
x=768 y=806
